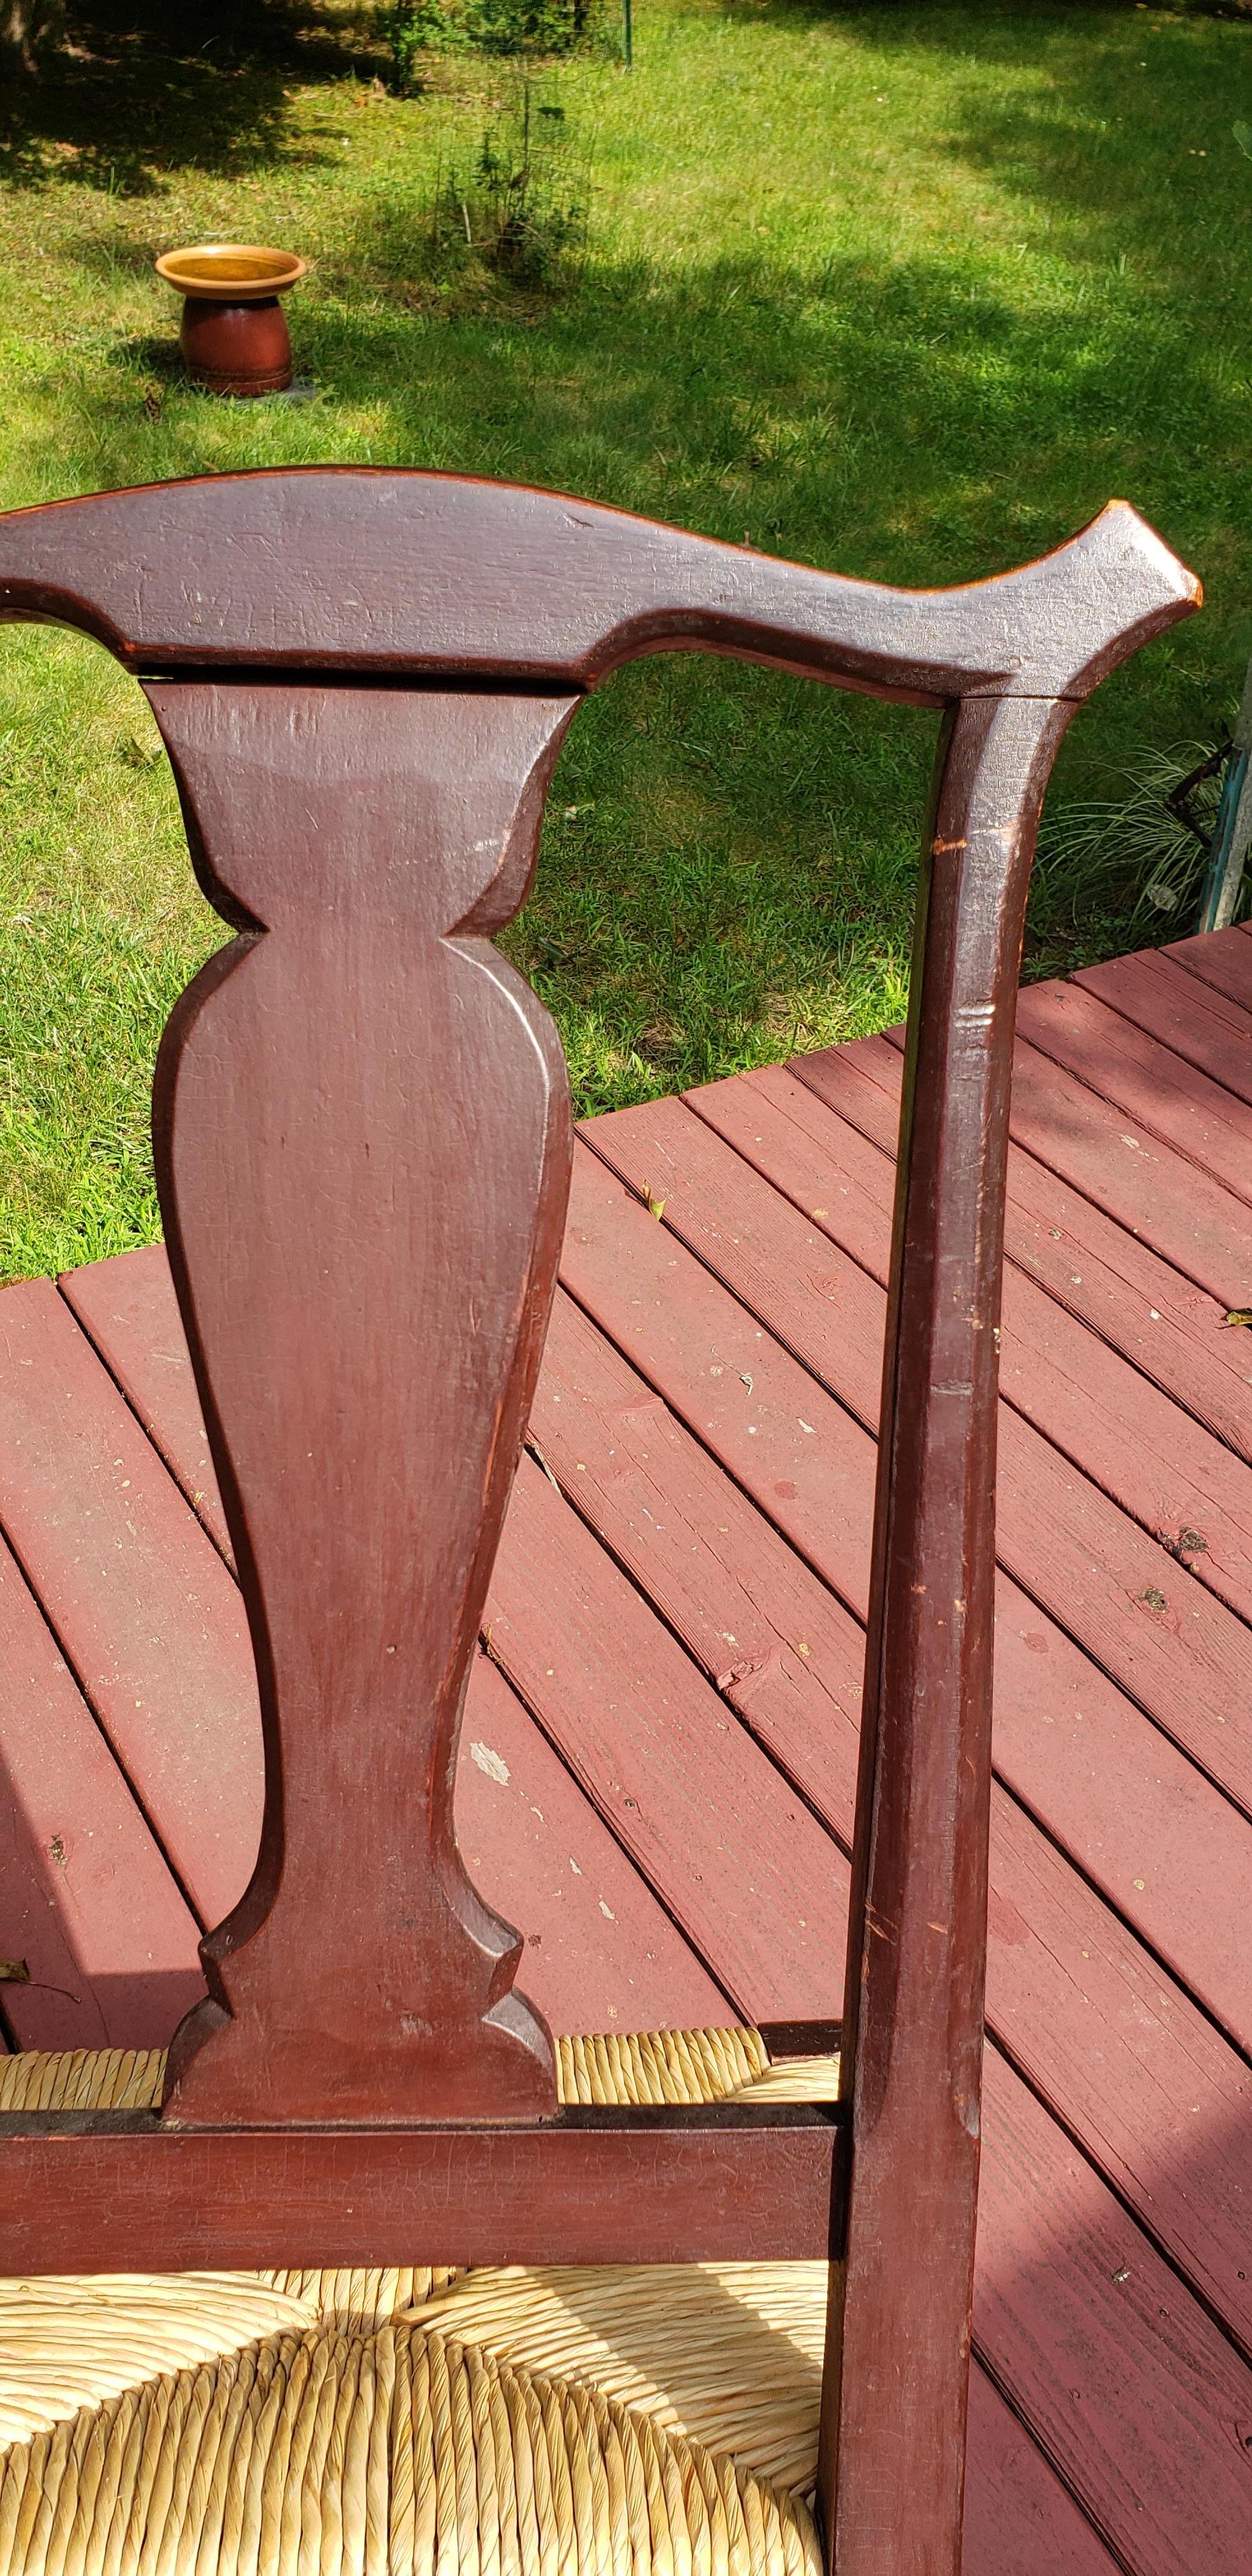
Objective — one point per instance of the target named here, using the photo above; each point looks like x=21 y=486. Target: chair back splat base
x=362 y=1138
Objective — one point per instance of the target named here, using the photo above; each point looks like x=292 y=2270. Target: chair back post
x=893 y=2426
x=362 y=1138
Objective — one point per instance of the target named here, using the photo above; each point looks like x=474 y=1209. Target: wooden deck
x=658 y=1762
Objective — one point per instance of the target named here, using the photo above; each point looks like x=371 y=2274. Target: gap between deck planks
x=1176 y=1650
x=535 y=1672
x=1164 y=999
x=1132 y=1810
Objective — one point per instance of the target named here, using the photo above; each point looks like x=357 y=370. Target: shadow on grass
x=730 y=855
x=149 y=87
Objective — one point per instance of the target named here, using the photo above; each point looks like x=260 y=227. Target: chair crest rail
x=350 y=568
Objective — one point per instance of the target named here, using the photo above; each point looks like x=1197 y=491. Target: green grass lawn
x=904 y=290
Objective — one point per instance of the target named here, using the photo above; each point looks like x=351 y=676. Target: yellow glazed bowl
x=231 y=272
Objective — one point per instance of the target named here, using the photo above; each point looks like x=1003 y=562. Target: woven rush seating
x=574 y=2419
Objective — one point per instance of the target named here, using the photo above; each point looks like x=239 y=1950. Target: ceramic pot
x=234 y=336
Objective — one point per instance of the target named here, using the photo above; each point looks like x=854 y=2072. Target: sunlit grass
x=907 y=291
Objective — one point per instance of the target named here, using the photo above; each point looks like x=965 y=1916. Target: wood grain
x=716 y=2185
x=1160 y=1092
x=128 y=1309
x=1118 y=1796
x=162 y=1656
x=1123 y=2376
x=87 y=1903
x=1119 y=1593
x=1101 y=1272
x=445 y=576
x=1222 y=960
x=315 y=1203
x=1176 y=1479
x=1203 y=1027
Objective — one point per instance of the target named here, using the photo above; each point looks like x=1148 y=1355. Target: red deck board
x=1019 y=2519
x=163 y=1656
x=1173 y=1475
x=751 y=1877
x=1116 y=1591
x=1121 y=1163
x=600 y=1952
x=1118 y=1162
x=1155 y=1087
x=1222 y=960
x=1204 y=1027
x=142 y=1344
x=1101 y=2348
x=1066 y=1739
x=86 y=1901
x=1100 y=1272
x=1071 y=1993
x=1080 y=2005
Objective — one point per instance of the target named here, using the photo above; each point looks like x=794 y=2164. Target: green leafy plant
x=521 y=208
x=415 y=27
x=1130 y=848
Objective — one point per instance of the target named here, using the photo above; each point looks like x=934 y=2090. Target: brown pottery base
x=236 y=348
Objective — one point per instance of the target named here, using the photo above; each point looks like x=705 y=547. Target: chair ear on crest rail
x=363 y=1142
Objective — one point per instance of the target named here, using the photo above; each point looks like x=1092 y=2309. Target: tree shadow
x=730 y=854
x=145 y=88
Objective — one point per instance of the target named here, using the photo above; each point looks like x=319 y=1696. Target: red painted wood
x=1128 y=2060
x=600 y=1953
x=314 y=1201
x=86 y=1900
x=1201 y=1026
x=1095 y=1268
x=1118 y=1161
x=381 y=571
x=1116 y=1591
x=128 y=1309
x=1116 y=1793
x=746 y=1872
x=1124 y=2380
x=1019 y=2519
x=1134 y=2070
x=582 y=1965
x=1176 y=1479
x=163 y=1655
x=1170 y=1099
x=1221 y=959
x=649 y=2189
x=584 y=1622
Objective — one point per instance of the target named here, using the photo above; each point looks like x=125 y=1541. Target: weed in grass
x=414 y=29
x=519 y=209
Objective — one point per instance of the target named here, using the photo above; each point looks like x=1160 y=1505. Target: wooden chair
x=362 y=1138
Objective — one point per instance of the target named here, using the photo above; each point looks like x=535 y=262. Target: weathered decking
x=658 y=1766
